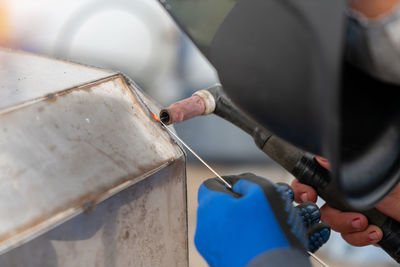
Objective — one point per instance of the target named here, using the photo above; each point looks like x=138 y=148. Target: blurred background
x=138 y=38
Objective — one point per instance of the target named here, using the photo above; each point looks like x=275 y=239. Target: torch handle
x=302 y=165
x=310 y=172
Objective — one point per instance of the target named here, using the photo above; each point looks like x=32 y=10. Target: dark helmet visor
x=200 y=19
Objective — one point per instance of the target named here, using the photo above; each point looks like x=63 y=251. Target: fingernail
x=373 y=236
x=356 y=223
x=304 y=197
x=323 y=159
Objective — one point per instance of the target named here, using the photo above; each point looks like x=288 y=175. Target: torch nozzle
x=200 y=103
x=165 y=117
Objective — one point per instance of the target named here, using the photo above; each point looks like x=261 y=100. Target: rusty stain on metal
x=50 y=97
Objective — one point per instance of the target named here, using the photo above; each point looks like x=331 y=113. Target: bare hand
x=353 y=226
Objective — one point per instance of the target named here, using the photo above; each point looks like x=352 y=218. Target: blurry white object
x=134 y=36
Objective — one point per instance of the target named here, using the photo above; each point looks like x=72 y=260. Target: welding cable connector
x=209 y=101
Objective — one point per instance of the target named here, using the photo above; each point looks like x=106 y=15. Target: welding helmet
x=281 y=62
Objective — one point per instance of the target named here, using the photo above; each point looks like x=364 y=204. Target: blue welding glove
x=235 y=227
x=317 y=233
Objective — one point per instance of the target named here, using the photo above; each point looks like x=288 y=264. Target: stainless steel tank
x=87 y=177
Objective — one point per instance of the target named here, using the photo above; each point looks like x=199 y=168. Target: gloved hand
x=233 y=227
x=317 y=233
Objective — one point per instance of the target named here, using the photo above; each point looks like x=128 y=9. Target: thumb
x=323 y=162
x=244 y=188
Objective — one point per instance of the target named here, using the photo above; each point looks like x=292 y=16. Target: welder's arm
x=253 y=225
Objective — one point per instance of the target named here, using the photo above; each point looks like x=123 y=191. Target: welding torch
x=301 y=164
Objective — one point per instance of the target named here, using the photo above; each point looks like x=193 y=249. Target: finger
x=343 y=222
x=302 y=192
x=233 y=179
x=318 y=235
x=211 y=188
x=391 y=204
x=245 y=187
x=372 y=235
x=284 y=188
x=323 y=162
x=310 y=213
x=250 y=183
